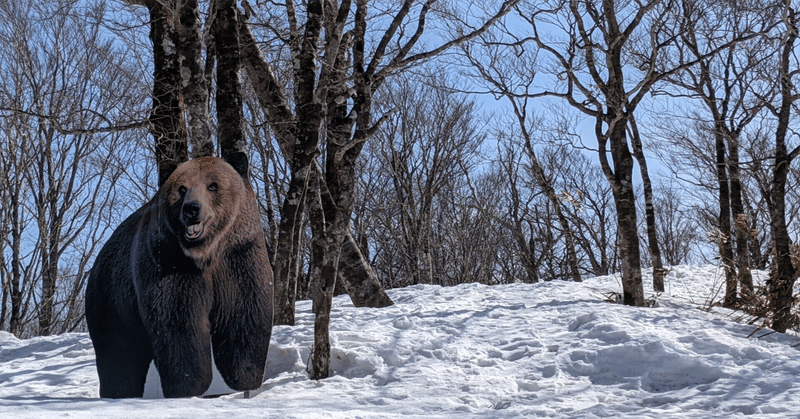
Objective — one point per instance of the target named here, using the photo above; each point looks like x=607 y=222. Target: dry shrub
x=755 y=310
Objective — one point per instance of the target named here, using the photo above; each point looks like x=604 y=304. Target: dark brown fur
x=186 y=272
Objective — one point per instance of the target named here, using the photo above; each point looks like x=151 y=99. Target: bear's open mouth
x=194 y=231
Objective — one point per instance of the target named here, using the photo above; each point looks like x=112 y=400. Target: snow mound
x=552 y=349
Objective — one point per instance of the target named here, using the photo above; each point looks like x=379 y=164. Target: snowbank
x=524 y=350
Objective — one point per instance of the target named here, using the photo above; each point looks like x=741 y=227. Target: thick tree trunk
x=659 y=272
x=340 y=180
x=331 y=240
x=225 y=26
x=166 y=120
x=625 y=200
x=616 y=116
x=195 y=90
x=305 y=149
x=323 y=288
x=323 y=272
x=342 y=148
x=620 y=179
x=358 y=277
x=782 y=276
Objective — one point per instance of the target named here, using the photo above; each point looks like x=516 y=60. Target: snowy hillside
x=543 y=350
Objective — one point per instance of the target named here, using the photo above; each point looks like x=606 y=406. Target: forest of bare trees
x=394 y=143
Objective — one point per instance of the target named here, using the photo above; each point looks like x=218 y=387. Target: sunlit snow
x=553 y=349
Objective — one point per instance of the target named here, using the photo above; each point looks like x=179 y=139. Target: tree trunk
x=49 y=271
x=632 y=292
x=782 y=276
x=195 y=90
x=620 y=179
x=547 y=187
x=781 y=280
x=341 y=183
x=166 y=120
x=725 y=237
x=49 y=226
x=358 y=277
x=324 y=262
x=286 y=130
x=569 y=240
x=741 y=220
x=305 y=149
x=15 y=322
x=659 y=273
x=225 y=26
x=323 y=300
x=342 y=150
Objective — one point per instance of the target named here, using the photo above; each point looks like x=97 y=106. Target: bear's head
x=200 y=202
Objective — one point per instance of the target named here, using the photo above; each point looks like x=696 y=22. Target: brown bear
x=186 y=273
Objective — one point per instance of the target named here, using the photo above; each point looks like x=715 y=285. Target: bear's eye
x=213 y=187
x=182 y=190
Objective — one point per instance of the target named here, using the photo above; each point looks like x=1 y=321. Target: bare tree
x=472 y=245
x=603 y=59
x=297 y=133
x=678 y=228
x=61 y=115
x=422 y=148
x=659 y=272
x=335 y=80
x=725 y=84
x=591 y=212
x=510 y=74
x=17 y=287
x=783 y=275
x=522 y=217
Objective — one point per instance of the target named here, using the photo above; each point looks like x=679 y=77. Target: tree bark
x=620 y=179
x=337 y=204
x=15 y=321
x=306 y=142
x=225 y=26
x=659 y=272
x=166 y=120
x=322 y=291
x=741 y=220
x=192 y=69
x=782 y=276
x=725 y=237
x=358 y=277
x=360 y=281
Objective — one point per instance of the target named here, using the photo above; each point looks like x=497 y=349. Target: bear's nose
x=191 y=210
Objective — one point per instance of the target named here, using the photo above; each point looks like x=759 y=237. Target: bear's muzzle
x=190 y=216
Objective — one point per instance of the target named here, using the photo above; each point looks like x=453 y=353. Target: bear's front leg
x=242 y=324
x=175 y=313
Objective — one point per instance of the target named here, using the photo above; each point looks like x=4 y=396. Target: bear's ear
x=165 y=169
x=240 y=163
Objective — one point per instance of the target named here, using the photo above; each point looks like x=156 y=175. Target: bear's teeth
x=194 y=230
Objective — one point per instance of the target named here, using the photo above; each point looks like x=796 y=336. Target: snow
x=554 y=349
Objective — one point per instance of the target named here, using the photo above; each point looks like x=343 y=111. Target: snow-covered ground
x=552 y=349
